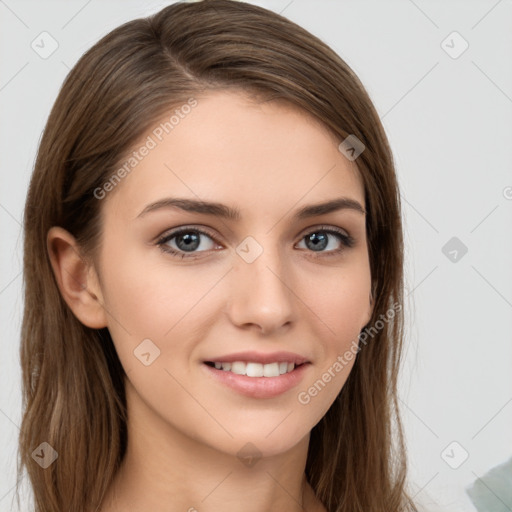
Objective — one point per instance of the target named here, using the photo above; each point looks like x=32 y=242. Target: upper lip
x=260 y=357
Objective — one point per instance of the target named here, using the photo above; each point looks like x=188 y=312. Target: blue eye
x=319 y=239
x=187 y=241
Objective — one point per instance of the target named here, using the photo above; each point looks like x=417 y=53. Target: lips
x=258 y=375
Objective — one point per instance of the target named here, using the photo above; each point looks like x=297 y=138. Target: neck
x=165 y=469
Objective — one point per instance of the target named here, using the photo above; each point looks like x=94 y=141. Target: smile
x=256 y=380
x=252 y=369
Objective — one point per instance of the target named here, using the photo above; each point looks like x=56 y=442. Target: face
x=187 y=289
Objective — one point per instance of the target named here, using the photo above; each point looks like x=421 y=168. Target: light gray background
x=449 y=124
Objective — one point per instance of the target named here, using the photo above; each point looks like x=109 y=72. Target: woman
x=213 y=277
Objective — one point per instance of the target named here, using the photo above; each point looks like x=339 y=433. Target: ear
x=77 y=280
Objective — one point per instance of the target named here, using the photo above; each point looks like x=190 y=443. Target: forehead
x=233 y=149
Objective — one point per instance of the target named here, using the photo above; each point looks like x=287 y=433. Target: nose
x=261 y=296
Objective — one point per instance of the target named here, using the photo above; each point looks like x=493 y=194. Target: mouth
x=257 y=380
x=253 y=369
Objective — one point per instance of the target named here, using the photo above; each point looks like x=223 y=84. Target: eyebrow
x=233 y=214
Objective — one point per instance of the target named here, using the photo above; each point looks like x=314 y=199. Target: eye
x=318 y=240
x=186 y=242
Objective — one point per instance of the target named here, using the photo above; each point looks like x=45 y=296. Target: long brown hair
x=73 y=382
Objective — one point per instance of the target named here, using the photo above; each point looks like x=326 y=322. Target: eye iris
x=314 y=238
x=191 y=241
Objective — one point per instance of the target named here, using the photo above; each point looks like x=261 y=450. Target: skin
x=184 y=429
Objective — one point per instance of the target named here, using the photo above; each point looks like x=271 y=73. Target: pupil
x=316 y=242
x=189 y=240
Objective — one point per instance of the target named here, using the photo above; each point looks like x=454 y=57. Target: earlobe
x=77 y=279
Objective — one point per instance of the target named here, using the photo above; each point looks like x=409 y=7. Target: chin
x=259 y=440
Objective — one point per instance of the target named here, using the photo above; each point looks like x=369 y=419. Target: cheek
x=341 y=302
x=172 y=306
x=147 y=294
x=341 y=309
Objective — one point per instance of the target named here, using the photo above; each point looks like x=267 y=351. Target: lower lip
x=258 y=387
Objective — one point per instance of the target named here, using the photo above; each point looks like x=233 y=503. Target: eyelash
x=346 y=240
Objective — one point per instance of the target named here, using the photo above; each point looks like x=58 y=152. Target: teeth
x=270 y=370
x=238 y=367
x=256 y=369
